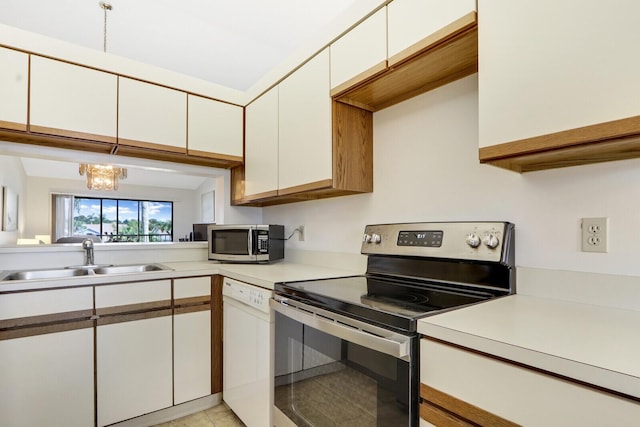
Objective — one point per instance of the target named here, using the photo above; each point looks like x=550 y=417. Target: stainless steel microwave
x=246 y=243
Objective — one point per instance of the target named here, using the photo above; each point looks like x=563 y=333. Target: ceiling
x=230 y=43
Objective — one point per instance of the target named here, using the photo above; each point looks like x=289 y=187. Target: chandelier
x=102 y=177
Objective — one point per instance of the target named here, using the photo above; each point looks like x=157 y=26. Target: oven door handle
x=352 y=330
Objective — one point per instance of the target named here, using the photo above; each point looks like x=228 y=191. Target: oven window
x=230 y=242
x=322 y=380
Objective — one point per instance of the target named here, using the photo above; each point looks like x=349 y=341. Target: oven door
x=332 y=370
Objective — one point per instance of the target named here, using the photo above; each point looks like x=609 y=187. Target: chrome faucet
x=87 y=245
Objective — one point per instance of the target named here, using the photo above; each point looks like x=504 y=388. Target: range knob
x=473 y=240
x=366 y=238
x=376 y=238
x=491 y=241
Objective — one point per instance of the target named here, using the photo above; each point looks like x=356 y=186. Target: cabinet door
x=360 y=53
x=46 y=358
x=192 y=338
x=305 y=145
x=47 y=380
x=70 y=100
x=14 y=83
x=524 y=396
x=214 y=129
x=134 y=350
x=410 y=21
x=151 y=116
x=554 y=66
x=261 y=151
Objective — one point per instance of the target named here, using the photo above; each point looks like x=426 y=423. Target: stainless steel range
x=346 y=348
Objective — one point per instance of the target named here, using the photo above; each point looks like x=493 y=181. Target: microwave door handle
x=250 y=242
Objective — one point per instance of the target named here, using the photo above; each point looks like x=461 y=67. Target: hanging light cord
x=105 y=6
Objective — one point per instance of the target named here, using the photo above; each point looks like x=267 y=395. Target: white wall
x=186 y=210
x=12 y=175
x=426 y=169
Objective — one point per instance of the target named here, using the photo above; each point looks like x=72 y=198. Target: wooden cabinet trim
x=325 y=183
x=183 y=302
x=132 y=317
x=446 y=56
x=45 y=329
x=151 y=145
x=440 y=417
x=200 y=153
x=13 y=125
x=133 y=308
x=365 y=75
x=614 y=140
x=191 y=309
x=216 y=333
x=45 y=324
x=352 y=148
x=72 y=134
x=460 y=412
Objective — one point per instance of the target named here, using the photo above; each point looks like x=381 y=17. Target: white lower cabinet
x=191 y=339
x=47 y=380
x=133 y=350
x=510 y=392
x=133 y=369
x=46 y=358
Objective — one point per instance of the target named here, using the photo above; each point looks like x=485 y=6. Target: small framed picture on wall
x=9 y=209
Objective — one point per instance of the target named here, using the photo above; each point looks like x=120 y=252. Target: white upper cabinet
x=152 y=116
x=361 y=52
x=214 y=128
x=14 y=88
x=305 y=145
x=70 y=100
x=261 y=151
x=410 y=21
x=548 y=66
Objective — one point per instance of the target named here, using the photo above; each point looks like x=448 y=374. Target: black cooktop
x=386 y=302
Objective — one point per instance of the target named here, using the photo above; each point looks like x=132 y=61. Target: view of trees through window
x=119 y=220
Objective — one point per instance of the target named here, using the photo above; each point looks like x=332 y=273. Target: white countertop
x=263 y=275
x=595 y=344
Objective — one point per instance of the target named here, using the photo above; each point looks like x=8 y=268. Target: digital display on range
x=424 y=238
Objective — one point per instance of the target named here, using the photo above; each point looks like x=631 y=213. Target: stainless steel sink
x=133 y=268
x=45 y=274
x=60 y=273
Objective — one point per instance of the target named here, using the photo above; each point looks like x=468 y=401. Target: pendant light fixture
x=106 y=7
x=102 y=177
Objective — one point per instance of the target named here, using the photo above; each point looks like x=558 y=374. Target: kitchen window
x=112 y=220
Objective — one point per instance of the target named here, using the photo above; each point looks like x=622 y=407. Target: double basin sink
x=84 y=270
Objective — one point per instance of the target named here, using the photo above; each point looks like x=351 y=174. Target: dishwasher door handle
x=352 y=330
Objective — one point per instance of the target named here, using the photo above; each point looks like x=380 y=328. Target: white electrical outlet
x=301 y=233
x=594 y=234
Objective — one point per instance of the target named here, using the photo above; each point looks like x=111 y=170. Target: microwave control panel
x=263 y=243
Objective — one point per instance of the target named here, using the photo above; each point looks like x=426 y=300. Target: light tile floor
x=218 y=416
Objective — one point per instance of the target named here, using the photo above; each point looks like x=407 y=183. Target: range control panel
x=426 y=238
x=481 y=241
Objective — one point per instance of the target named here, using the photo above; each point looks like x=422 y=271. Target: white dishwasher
x=247 y=379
